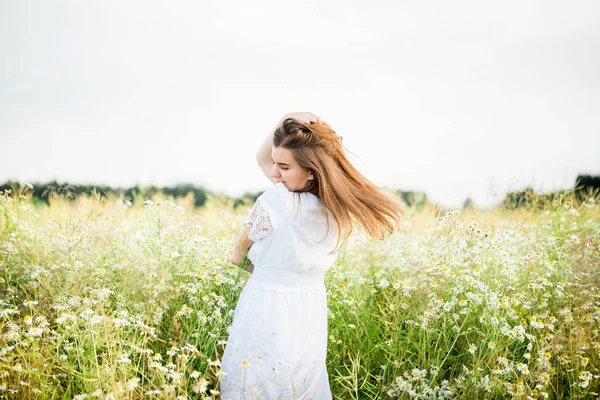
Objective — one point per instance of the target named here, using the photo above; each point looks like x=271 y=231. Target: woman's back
x=288 y=231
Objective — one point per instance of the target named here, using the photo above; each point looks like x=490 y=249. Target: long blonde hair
x=344 y=191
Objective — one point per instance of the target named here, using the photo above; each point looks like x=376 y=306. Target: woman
x=277 y=342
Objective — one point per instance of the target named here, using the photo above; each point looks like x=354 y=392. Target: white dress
x=277 y=342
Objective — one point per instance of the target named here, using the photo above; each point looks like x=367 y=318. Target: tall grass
x=101 y=298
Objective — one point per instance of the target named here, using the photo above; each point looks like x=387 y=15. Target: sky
x=455 y=99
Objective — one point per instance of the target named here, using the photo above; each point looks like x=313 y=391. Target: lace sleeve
x=260 y=220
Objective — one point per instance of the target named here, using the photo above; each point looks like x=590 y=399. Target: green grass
x=103 y=299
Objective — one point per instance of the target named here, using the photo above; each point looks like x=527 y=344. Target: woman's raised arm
x=263 y=156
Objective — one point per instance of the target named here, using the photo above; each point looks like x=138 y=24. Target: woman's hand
x=247 y=265
x=306 y=117
x=241 y=246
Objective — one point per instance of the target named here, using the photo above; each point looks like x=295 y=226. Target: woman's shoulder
x=278 y=193
x=275 y=199
x=278 y=200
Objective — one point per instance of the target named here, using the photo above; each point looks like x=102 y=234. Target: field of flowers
x=101 y=298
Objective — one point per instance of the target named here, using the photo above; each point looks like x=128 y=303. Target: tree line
x=585 y=186
x=41 y=192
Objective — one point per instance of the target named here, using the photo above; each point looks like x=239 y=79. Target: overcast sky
x=456 y=99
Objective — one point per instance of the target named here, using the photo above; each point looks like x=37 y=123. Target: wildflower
x=418 y=374
x=169 y=388
x=174 y=375
x=221 y=373
x=35 y=332
x=472 y=348
x=124 y=359
x=523 y=368
x=172 y=351
x=12 y=336
x=194 y=374
x=132 y=384
x=246 y=363
x=200 y=386
x=520 y=388
x=585 y=377
x=185 y=311
x=383 y=283
x=584 y=361
x=63 y=317
x=535 y=322
x=7 y=311
x=214 y=363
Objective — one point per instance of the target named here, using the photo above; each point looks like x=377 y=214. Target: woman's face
x=287 y=170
